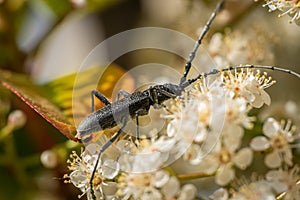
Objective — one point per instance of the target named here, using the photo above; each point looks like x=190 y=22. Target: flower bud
x=17 y=118
x=49 y=159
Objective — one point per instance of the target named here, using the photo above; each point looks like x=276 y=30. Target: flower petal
x=109 y=188
x=161 y=177
x=220 y=194
x=288 y=156
x=209 y=164
x=171 y=188
x=232 y=136
x=266 y=97
x=260 y=143
x=110 y=169
x=79 y=179
x=271 y=127
x=273 y=160
x=187 y=192
x=248 y=96
x=224 y=175
x=243 y=158
x=258 y=102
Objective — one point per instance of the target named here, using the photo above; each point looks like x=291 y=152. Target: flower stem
x=6 y=131
x=13 y=161
x=192 y=176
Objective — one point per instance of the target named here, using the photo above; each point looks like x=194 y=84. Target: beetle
x=138 y=103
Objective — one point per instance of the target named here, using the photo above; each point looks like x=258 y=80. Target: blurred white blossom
x=235 y=48
x=17 y=119
x=49 y=159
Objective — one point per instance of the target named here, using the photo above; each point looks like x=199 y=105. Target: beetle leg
x=103 y=148
x=168 y=94
x=99 y=96
x=137 y=114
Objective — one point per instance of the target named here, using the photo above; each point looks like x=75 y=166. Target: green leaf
x=59 y=7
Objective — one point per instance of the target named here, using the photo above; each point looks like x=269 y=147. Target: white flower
x=249 y=85
x=279 y=137
x=222 y=161
x=81 y=170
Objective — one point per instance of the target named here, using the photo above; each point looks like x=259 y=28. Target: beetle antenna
x=198 y=42
x=216 y=71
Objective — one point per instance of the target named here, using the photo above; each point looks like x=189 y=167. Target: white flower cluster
x=283 y=180
x=287 y=7
x=222 y=114
x=110 y=183
x=206 y=128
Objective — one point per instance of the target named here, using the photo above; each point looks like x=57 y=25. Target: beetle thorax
x=161 y=93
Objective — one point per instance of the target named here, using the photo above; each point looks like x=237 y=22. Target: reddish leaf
x=33 y=96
